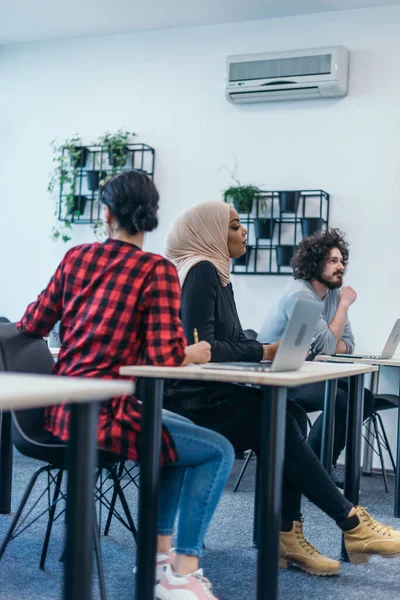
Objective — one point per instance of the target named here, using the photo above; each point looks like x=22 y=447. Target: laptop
x=388 y=350
x=294 y=345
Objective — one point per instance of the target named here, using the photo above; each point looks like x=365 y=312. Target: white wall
x=168 y=87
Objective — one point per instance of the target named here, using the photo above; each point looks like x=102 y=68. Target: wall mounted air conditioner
x=296 y=75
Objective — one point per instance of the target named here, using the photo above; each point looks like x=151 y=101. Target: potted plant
x=310 y=225
x=289 y=201
x=116 y=145
x=95 y=177
x=284 y=254
x=264 y=225
x=76 y=205
x=241 y=197
x=242 y=261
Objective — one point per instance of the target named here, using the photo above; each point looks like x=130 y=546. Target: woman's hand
x=197 y=353
x=270 y=350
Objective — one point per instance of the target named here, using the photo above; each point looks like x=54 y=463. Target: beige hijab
x=201 y=233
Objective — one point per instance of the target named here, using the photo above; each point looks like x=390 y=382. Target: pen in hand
x=195 y=336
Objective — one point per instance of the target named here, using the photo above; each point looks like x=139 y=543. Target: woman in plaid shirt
x=118 y=305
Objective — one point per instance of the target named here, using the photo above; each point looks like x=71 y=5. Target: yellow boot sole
x=363 y=559
x=285 y=564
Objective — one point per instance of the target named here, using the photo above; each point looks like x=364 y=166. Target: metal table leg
x=352 y=471
x=272 y=452
x=81 y=463
x=328 y=424
x=150 y=446
x=6 y=463
x=369 y=433
x=397 y=476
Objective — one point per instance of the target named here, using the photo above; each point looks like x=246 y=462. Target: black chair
x=250 y=334
x=23 y=354
x=374 y=426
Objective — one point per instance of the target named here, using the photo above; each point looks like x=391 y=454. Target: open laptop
x=294 y=345
x=389 y=348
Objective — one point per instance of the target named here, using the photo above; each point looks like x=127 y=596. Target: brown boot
x=370 y=538
x=295 y=550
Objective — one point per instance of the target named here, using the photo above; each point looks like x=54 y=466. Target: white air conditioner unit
x=296 y=75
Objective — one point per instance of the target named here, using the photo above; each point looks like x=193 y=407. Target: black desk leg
x=272 y=453
x=397 y=475
x=150 y=446
x=6 y=463
x=328 y=424
x=352 y=471
x=82 y=459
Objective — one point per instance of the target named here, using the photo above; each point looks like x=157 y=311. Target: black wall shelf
x=276 y=222
x=79 y=202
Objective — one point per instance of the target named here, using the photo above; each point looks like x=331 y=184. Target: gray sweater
x=325 y=342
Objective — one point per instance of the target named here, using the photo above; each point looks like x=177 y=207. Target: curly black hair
x=312 y=252
x=132 y=199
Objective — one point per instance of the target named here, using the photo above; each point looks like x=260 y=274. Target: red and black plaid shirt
x=117 y=305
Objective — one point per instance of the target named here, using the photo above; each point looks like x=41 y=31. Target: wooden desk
x=19 y=391
x=378 y=362
x=271 y=455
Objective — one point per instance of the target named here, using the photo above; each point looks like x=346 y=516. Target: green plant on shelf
x=116 y=145
x=240 y=196
x=68 y=158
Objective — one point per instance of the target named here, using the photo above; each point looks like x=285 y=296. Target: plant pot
x=78 y=206
x=118 y=159
x=242 y=205
x=310 y=225
x=243 y=260
x=93 y=179
x=264 y=228
x=289 y=201
x=78 y=162
x=284 y=255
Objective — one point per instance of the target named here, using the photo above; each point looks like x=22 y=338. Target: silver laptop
x=294 y=345
x=389 y=348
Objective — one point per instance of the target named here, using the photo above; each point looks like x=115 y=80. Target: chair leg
x=124 y=503
x=378 y=441
x=113 y=500
x=51 y=518
x=99 y=560
x=388 y=448
x=21 y=508
x=242 y=472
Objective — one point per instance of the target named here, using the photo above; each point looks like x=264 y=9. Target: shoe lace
x=205 y=584
x=375 y=525
x=303 y=543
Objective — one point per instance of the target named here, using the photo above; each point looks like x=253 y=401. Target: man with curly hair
x=319 y=265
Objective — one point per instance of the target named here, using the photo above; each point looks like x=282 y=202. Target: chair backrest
x=250 y=334
x=4 y=320
x=20 y=353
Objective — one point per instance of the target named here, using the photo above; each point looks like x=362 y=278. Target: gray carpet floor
x=230 y=560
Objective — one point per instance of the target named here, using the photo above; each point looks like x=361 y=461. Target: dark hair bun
x=132 y=199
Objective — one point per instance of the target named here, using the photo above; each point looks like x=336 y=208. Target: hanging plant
x=68 y=159
x=116 y=145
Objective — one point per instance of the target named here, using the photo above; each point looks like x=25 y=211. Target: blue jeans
x=194 y=484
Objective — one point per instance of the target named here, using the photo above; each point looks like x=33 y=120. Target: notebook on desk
x=388 y=350
x=294 y=345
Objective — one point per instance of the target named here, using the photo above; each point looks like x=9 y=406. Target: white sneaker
x=189 y=587
x=163 y=559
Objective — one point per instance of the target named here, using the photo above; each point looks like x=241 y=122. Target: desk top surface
x=310 y=372
x=19 y=390
x=380 y=362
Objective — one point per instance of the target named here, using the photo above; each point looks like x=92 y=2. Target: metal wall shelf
x=79 y=201
x=276 y=222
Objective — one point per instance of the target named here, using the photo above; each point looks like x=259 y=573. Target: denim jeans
x=194 y=484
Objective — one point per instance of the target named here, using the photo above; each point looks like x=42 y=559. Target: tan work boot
x=295 y=550
x=370 y=538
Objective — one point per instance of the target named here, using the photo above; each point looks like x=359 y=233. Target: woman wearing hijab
x=110 y=299
x=201 y=243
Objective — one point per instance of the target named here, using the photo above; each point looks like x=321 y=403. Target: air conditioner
x=296 y=75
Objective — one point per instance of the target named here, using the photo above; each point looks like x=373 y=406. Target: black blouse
x=210 y=307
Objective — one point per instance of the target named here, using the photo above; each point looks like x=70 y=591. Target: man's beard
x=331 y=284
